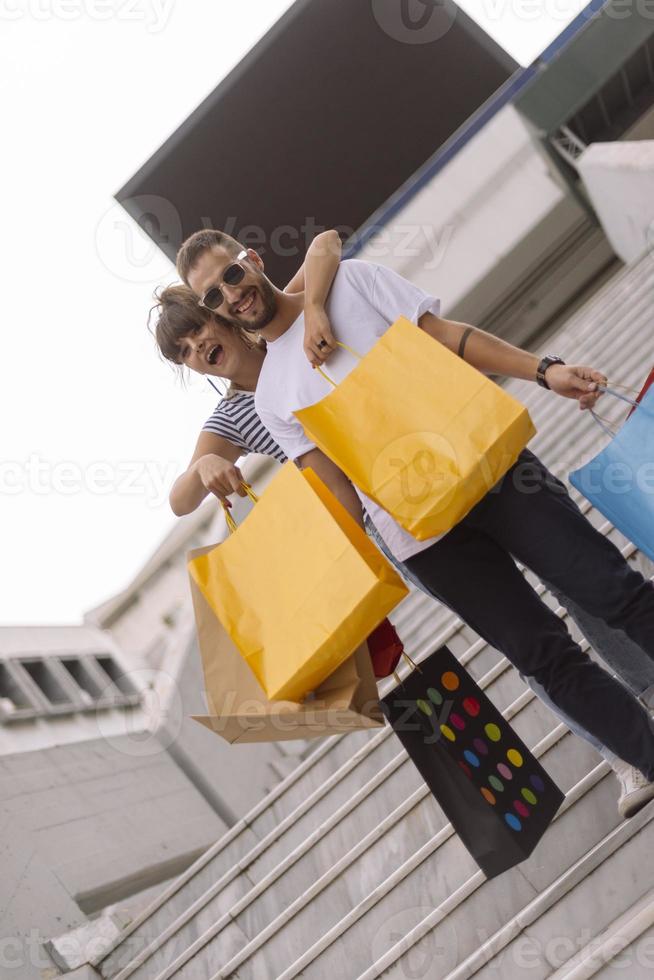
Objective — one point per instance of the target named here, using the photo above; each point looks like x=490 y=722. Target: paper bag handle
x=413 y=665
x=350 y=350
x=229 y=520
x=616 y=394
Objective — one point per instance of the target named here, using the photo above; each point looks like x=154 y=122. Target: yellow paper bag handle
x=229 y=520
x=350 y=350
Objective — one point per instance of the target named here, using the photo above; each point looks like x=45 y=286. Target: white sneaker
x=636 y=793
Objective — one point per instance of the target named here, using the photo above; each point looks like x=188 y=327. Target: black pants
x=529 y=515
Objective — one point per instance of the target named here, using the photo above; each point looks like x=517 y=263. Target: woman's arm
x=315 y=277
x=320 y=267
x=322 y=258
x=211 y=470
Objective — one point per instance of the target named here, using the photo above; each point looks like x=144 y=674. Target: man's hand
x=219 y=477
x=576 y=381
x=316 y=330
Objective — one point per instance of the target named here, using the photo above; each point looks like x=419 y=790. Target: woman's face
x=215 y=349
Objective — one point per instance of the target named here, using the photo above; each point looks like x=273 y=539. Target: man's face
x=251 y=304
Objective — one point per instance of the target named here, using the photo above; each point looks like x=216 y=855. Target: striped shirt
x=235 y=419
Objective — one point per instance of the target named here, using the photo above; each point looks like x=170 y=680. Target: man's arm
x=211 y=470
x=335 y=480
x=491 y=354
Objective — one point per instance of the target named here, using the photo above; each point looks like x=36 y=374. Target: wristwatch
x=546 y=362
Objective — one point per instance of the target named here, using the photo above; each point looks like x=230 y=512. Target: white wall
x=472 y=214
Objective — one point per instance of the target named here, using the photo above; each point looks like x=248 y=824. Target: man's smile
x=246 y=303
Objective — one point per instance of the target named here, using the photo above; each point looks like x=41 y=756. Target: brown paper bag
x=239 y=709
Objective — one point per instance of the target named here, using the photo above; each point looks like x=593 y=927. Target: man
x=471 y=568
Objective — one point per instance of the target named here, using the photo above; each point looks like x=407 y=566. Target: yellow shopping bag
x=298 y=585
x=418 y=430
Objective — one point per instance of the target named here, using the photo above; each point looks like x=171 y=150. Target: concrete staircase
x=349 y=869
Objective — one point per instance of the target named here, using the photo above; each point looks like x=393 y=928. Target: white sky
x=94 y=426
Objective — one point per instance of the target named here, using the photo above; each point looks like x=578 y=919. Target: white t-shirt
x=364 y=301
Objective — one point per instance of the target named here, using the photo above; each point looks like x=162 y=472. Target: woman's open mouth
x=215 y=353
x=247 y=302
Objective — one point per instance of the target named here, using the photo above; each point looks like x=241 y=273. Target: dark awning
x=319 y=125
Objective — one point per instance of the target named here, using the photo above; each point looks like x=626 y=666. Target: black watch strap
x=546 y=362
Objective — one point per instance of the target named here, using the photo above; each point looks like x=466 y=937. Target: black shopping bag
x=498 y=798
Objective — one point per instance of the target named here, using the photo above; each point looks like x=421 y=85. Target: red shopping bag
x=385 y=648
x=644 y=390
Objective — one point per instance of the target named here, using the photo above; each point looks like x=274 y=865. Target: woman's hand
x=576 y=381
x=319 y=341
x=219 y=477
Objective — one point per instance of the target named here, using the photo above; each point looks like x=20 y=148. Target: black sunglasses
x=231 y=276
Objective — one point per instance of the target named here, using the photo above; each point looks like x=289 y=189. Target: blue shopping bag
x=619 y=481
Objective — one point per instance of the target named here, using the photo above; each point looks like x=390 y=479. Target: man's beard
x=268 y=313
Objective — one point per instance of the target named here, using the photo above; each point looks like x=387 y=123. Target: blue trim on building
x=504 y=95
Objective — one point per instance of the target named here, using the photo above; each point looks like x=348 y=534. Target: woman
x=191 y=336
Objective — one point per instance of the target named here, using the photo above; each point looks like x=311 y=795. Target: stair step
x=587 y=898
x=355 y=910
x=200 y=899
x=166 y=927
x=626 y=946
x=416 y=824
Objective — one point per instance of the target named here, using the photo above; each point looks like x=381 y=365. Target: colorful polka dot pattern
x=471 y=707
x=450 y=681
x=471 y=761
x=493 y=732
